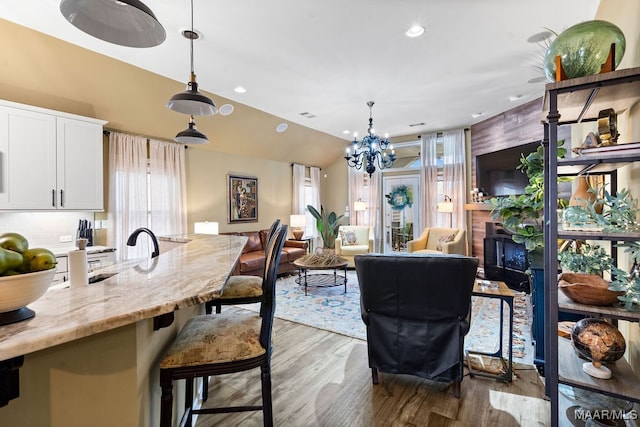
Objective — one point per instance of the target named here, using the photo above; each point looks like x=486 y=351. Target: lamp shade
x=123 y=22
x=298 y=221
x=192 y=102
x=445 y=207
x=359 y=206
x=205 y=227
x=191 y=135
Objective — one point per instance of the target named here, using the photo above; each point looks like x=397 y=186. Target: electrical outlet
x=97 y=225
x=66 y=238
x=104 y=223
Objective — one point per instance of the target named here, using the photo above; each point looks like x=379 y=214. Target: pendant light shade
x=191 y=101
x=122 y=22
x=191 y=135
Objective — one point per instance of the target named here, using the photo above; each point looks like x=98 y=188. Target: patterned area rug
x=331 y=309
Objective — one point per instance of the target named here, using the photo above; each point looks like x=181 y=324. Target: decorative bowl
x=598 y=340
x=587 y=289
x=21 y=289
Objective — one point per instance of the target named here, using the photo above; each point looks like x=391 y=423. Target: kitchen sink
x=100 y=277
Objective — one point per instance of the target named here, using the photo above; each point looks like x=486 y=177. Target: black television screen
x=496 y=172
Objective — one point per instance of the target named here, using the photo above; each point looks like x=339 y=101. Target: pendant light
x=191 y=135
x=122 y=22
x=191 y=101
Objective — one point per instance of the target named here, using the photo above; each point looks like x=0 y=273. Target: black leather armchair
x=417 y=311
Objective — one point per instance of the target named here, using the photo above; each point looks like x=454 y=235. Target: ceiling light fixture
x=123 y=22
x=513 y=98
x=191 y=135
x=371 y=150
x=191 y=101
x=239 y=89
x=476 y=115
x=414 y=31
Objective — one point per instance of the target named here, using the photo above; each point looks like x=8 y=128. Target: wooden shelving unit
x=565 y=103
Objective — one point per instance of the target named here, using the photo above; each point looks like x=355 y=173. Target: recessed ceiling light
x=515 y=97
x=281 y=127
x=346 y=132
x=476 y=115
x=414 y=31
x=226 y=109
x=239 y=89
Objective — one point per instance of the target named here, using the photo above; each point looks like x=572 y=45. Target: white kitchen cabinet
x=49 y=160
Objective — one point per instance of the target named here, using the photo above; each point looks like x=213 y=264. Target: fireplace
x=504 y=259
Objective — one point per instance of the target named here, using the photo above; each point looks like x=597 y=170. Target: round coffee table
x=321 y=279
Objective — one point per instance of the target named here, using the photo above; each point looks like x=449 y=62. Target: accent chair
x=434 y=240
x=354 y=240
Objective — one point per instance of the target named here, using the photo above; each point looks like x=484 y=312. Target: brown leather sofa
x=251 y=262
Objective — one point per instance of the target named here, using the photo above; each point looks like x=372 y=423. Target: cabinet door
x=27 y=159
x=79 y=157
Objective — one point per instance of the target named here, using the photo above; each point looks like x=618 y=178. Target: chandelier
x=371 y=151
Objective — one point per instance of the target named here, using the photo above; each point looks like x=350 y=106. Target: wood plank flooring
x=323 y=379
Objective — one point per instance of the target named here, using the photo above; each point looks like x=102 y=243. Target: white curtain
x=298 y=205
x=314 y=174
x=430 y=180
x=167 y=183
x=374 y=209
x=127 y=193
x=453 y=173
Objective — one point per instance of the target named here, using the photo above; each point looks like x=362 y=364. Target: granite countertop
x=187 y=275
x=61 y=250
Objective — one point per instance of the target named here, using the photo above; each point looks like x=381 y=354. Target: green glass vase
x=583 y=48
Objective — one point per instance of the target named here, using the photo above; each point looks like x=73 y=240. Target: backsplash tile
x=43 y=228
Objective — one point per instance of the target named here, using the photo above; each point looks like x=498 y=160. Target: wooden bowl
x=587 y=289
x=19 y=290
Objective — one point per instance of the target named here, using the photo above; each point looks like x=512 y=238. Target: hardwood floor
x=323 y=379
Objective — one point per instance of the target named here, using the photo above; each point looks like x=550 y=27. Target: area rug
x=331 y=309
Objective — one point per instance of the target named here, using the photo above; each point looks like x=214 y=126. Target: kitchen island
x=91 y=353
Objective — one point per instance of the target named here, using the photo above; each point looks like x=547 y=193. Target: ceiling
x=328 y=58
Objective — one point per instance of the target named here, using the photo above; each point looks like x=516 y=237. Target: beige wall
x=207 y=188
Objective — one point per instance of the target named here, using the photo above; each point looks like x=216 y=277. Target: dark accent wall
x=518 y=126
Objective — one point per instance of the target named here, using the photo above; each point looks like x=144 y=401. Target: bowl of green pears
x=25 y=275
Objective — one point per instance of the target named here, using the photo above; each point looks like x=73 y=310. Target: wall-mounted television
x=496 y=172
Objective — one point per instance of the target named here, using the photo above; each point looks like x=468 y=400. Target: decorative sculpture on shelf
x=598 y=341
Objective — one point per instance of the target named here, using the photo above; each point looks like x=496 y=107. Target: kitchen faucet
x=131 y=241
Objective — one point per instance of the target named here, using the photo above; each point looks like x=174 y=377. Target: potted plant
x=522 y=215
x=581 y=257
x=327 y=224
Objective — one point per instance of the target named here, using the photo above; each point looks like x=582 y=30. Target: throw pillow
x=445 y=238
x=348 y=237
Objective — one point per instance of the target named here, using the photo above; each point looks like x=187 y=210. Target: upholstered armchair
x=416 y=308
x=354 y=240
x=440 y=240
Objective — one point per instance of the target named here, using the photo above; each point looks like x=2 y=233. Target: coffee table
x=321 y=279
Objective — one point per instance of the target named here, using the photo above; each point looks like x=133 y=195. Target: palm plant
x=327 y=224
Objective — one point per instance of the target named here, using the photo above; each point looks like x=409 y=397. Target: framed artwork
x=242 y=198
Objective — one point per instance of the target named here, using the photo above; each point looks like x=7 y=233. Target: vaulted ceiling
x=328 y=58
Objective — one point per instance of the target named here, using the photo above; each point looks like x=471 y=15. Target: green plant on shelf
x=581 y=257
x=613 y=213
x=522 y=215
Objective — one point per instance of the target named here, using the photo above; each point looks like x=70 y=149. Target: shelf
x=623 y=383
x=601 y=160
x=583 y=98
x=614 y=312
x=477 y=207
x=598 y=235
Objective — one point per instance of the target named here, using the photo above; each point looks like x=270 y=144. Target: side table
x=499 y=290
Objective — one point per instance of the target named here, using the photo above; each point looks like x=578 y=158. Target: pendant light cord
x=191 y=39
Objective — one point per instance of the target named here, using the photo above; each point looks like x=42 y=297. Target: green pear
x=37 y=259
x=9 y=260
x=14 y=242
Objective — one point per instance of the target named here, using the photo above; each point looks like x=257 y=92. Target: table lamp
x=205 y=227
x=297 y=224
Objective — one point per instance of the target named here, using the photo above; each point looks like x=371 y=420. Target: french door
x=401 y=210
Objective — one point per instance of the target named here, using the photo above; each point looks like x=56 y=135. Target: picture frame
x=242 y=198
